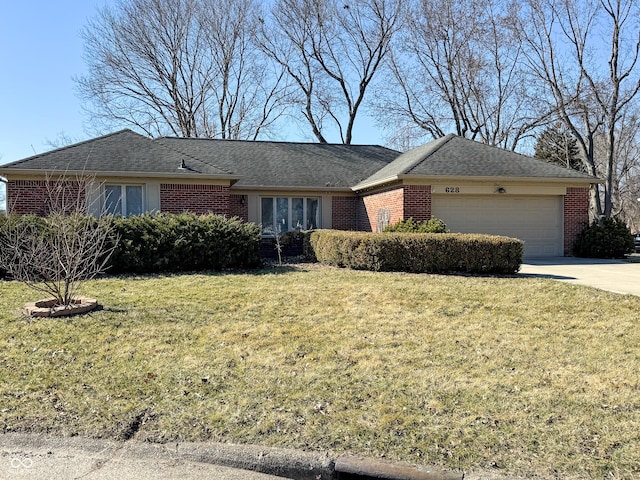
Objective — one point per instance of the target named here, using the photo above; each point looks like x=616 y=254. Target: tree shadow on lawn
x=259 y=271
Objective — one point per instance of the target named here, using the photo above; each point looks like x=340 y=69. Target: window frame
x=123 y=198
x=290 y=213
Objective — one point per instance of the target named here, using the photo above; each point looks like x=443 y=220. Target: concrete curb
x=282 y=462
x=368 y=468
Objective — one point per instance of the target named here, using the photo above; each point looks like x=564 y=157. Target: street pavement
x=40 y=457
x=617 y=276
x=37 y=457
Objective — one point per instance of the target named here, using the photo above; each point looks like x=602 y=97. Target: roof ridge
x=77 y=144
x=435 y=145
x=281 y=142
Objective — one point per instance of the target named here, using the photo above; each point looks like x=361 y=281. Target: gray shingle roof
x=454 y=156
x=123 y=151
x=280 y=164
x=289 y=165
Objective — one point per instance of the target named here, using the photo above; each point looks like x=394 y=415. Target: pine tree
x=557 y=145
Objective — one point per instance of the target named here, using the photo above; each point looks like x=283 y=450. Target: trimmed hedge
x=609 y=238
x=184 y=242
x=433 y=225
x=418 y=253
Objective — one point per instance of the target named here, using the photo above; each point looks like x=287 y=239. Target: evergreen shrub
x=433 y=225
x=184 y=242
x=418 y=253
x=607 y=238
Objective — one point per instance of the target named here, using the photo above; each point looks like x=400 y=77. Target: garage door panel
x=535 y=220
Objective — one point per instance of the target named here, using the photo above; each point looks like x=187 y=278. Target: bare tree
x=332 y=51
x=250 y=93
x=456 y=67
x=56 y=253
x=585 y=55
x=626 y=178
x=179 y=67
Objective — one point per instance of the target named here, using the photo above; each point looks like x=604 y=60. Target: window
x=282 y=214
x=125 y=200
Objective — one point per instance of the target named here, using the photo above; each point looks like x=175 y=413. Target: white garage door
x=535 y=220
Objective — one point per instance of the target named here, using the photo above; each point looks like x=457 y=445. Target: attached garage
x=537 y=220
x=476 y=188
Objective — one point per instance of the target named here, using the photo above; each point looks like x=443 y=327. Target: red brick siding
x=238 y=207
x=417 y=202
x=370 y=206
x=40 y=196
x=198 y=199
x=344 y=213
x=576 y=215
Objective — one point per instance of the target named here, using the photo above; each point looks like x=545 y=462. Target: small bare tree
x=56 y=253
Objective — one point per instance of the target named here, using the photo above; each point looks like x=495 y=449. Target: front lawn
x=514 y=375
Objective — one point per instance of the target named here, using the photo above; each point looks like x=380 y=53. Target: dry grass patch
x=524 y=376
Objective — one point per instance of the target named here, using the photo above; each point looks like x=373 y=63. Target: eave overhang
x=424 y=179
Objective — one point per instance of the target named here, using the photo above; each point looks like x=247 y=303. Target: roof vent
x=183 y=166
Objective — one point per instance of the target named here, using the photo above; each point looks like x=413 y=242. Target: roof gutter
x=250 y=188
x=80 y=173
x=460 y=178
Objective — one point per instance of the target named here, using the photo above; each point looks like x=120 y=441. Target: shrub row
x=172 y=243
x=418 y=253
x=183 y=242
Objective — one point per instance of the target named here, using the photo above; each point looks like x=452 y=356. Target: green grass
x=515 y=375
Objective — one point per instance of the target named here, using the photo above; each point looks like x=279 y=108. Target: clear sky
x=40 y=53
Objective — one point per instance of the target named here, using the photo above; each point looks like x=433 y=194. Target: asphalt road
x=36 y=457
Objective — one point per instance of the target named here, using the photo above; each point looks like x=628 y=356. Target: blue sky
x=40 y=53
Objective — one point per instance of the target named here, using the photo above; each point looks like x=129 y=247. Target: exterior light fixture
x=501 y=190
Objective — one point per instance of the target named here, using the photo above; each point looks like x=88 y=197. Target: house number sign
x=451 y=189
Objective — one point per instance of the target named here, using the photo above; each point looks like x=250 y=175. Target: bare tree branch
x=186 y=68
x=588 y=96
x=56 y=253
x=332 y=51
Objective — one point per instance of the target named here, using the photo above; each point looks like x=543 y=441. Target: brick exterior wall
x=344 y=213
x=198 y=199
x=393 y=205
x=576 y=215
x=40 y=196
x=238 y=207
x=417 y=202
x=376 y=209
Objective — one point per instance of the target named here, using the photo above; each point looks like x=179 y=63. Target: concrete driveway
x=613 y=275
